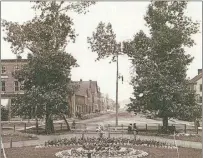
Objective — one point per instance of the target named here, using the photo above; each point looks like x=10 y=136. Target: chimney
x=199 y=71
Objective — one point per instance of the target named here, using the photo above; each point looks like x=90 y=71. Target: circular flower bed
x=103 y=147
x=106 y=142
x=101 y=151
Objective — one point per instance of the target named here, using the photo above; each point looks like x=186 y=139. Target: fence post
x=14 y=128
x=61 y=126
x=135 y=126
x=146 y=128
x=25 y=127
x=122 y=130
x=85 y=128
x=109 y=130
x=185 y=128
x=11 y=143
x=197 y=129
x=83 y=135
x=134 y=133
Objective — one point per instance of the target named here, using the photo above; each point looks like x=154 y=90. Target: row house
x=86 y=98
x=196 y=84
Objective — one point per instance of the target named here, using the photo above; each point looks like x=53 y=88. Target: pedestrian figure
x=197 y=124
x=135 y=128
x=130 y=128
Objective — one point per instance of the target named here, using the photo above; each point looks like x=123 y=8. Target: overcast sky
x=127 y=20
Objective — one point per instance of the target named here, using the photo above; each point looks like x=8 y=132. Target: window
x=200 y=87
x=16 y=84
x=3 y=85
x=3 y=69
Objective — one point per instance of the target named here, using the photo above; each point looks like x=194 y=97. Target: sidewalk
x=43 y=138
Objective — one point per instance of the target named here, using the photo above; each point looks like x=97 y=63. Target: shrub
x=4 y=113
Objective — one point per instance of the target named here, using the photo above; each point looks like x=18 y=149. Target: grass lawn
x=31 y=152
x=41 y=131
x=17 y=124
x=16 y=136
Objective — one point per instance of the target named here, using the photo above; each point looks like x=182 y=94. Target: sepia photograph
x=101 y=79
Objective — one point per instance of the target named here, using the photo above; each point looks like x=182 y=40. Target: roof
x=84 y=86
x=196 y=78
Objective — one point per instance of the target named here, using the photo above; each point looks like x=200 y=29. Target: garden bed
x=32 y=152
x=179 y=136
x=92 y=142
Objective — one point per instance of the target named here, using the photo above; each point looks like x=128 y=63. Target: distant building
x=103 y=102
x=111 y=104
x=86 y=99
x=196 y=84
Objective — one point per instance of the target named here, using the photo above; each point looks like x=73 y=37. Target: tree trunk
x=165 y=124
x=67 y=124
x=49 y=126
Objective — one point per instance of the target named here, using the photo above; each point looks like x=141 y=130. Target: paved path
x=42 y=139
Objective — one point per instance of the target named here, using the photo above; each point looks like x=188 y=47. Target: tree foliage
x=4 y=113
x=46 y=77
x=103 y=42
x=160 y=61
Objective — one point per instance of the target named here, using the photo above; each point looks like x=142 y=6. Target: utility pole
x=117 y=86
x=117 y=89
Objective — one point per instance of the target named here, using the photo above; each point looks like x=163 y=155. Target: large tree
x=160 y=62
x=46 y=77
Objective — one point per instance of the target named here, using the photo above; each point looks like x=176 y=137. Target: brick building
x=85 y=100
x=10 y=87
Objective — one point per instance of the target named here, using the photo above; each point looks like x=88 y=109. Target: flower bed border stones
x=186 y=135
x=133 y=153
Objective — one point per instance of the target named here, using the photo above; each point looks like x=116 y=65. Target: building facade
x=196 y=85
x=10 y=87
x=86 y=98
